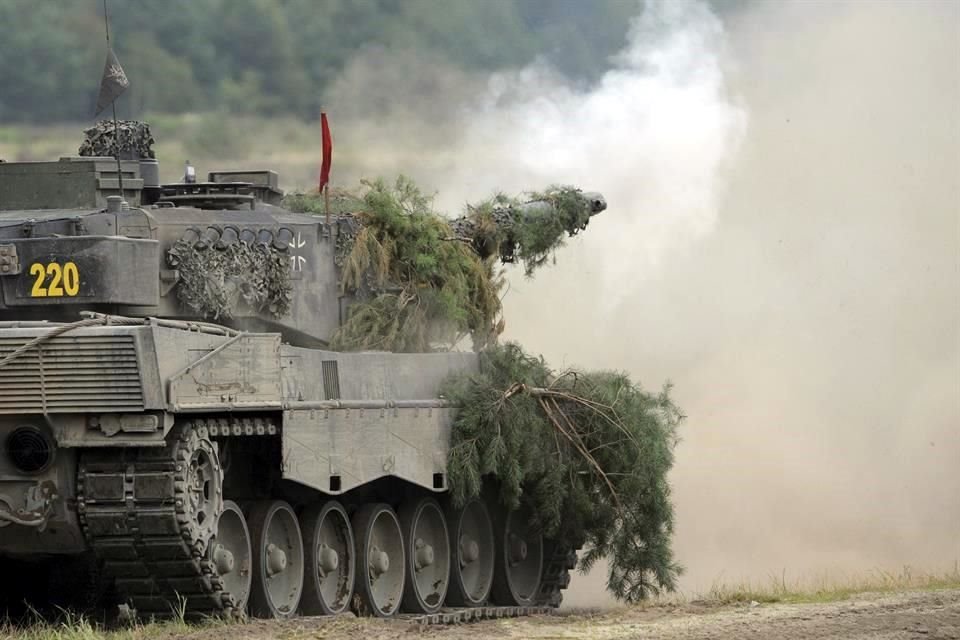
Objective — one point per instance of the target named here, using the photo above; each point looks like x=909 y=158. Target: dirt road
x=896 y=616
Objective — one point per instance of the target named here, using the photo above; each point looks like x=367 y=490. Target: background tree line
x=274 y=57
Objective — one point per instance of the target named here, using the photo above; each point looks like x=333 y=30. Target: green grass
x=829 y=588
x=74 y=627
x=71 y=626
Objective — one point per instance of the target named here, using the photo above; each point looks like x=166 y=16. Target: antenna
x=113 y=106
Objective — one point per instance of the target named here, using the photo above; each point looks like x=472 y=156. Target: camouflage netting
x=423 y=282
x=588 y=452
x=215 y=282
x=136 y=140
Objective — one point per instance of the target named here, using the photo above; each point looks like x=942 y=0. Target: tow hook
x=38 y=504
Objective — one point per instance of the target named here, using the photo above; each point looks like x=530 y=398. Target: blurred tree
x=172 y=87
x=275 y=56
x=48 y=71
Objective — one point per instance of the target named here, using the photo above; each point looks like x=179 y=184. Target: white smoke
x=811 y=328
x=653 y=135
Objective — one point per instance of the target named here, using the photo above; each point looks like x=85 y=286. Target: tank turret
x=222 y=250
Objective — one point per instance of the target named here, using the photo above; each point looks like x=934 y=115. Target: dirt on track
x=888 y=616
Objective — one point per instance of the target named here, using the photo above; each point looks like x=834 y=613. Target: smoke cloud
x=653 y=134
x=781 y=242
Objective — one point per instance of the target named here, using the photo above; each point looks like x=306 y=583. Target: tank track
x=131 y=508
x=459 y=616
x=131 y=504
x=558 y=561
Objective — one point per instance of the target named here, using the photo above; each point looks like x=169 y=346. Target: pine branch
x=601 y=487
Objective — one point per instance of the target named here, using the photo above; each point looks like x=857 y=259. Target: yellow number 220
x=54 y=281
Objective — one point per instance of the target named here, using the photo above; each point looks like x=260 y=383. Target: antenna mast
x=113 y=106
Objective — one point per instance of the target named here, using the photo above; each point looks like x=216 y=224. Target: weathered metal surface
x=70 y=183
x=9 y=260
x=243 y=371
x=18 y=492
x=86 y=270
x=346 y=448
x=90 y=373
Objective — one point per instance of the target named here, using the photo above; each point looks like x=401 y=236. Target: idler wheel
x=472 y=553
x=278 y=559
x=329 y=559
x=380 y=559
x=427 y=544
x=519 y=560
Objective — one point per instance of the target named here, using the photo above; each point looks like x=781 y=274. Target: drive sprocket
x=149 y=514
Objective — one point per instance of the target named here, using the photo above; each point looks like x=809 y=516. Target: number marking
x=38 y=291
x=71 y=279
x=53 y=280
x=54 y=290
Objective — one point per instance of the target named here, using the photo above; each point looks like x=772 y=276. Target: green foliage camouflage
x=587 y=452
x=423 y=282
x=214 y=282
x=527 y=230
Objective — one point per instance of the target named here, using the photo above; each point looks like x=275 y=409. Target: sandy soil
x=896 y=616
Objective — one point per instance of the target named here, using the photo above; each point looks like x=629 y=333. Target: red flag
x=327 y=152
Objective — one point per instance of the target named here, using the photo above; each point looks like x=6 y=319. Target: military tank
x=160 y=458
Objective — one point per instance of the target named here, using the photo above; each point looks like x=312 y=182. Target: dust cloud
x=781 y=242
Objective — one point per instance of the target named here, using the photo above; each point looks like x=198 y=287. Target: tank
x=179 y=437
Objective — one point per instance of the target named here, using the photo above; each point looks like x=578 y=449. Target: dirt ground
x=890 y=616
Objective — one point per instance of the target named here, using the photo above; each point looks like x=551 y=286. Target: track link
x=135 y=510
x=459 y=616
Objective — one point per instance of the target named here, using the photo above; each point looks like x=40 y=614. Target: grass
x=71 y=626
x=829 y=588
x=778 y=589
x=77 y=627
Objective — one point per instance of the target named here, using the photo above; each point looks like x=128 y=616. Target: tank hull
x=103 y=425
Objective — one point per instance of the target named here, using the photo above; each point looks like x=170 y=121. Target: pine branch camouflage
x=423 y=281
x=588 y=452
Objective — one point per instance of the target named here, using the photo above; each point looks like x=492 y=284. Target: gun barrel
x=569 y=207
x=595 y=201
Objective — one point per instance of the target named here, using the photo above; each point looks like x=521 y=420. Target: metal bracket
x=9 y=260
x=168 y=280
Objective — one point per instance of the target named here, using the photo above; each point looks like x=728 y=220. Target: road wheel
x=472 y=552
x=329 y=559
x=380 y=560
x=232 y=556
x=277 y=559
x=519 y=559
x=427 y=546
